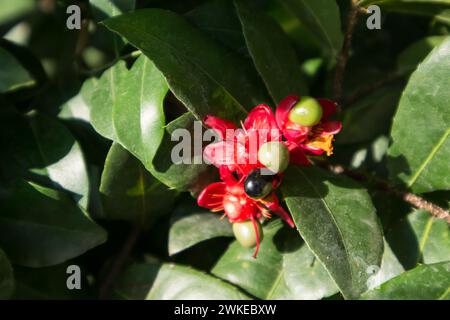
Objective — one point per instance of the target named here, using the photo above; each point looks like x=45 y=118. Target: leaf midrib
x=430 y=157
x=336 y=225
x=177 y=52
x=321 y=27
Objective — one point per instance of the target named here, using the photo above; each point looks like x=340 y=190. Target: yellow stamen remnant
x=324 y=142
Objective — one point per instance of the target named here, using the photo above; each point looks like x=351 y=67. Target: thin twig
x=119 y=262
x=342 y=58
x=92 y=72
x=411 y=198
x=366 y=90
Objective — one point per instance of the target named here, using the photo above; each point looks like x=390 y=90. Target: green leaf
x=273 y=55
x=284 y=269
x=337 y=220
x=10 y=10
x=43 y=150
x=6 y=277
x=179 y=175
x=370 y=116
x=218 y=19
x=439 y=9
x=49 y=283
x=78 y=108
x=409 y=59
x=206 y=77
x=40 y=226
x=390 y=267
x=425 y=282
x=112 y=8
x=322 y=18
x=13 y=75
x=103 y=9
x=420 y=238
x=191 y=225
x=420 y=150
x=126 y=106
x=129 y=192
x=167 y=281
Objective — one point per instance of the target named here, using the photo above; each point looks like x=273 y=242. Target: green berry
x=245 y=233
x=274 y=155
x=307 y=112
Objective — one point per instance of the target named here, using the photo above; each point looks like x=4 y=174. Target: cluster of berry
x=252 y=159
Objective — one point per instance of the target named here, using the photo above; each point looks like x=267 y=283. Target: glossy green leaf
x=409 y=59
x=439 y=9
x=425 y=282
x=103 y=9
x=78 y=108
x=126 y=106
x=420 y=132
x=42 y=149
x=284 y=269
x=273 y=55
x=112 y=8
x=129 y=192
x=337 y=220
x=390 y=267
x=218 y=19
x=13 y=75
x=191 y=225
x=10 y=10
x=177 y=174
x=420 y=238
x=6 y=277
x=322 y=18
x=206 y=77
x=40 y=226
x=167 y=281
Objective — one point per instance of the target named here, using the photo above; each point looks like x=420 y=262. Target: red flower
x=236 y=155
x=229 y=196
x=314 y=140
x=238 y=148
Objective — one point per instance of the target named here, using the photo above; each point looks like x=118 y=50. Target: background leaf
x=285 y=268
x=410 y=58
x=421 y=144
x=274 y=57
x=439 y=9
x=156 y=281
x=13 y=75
x=179 y=175
x=218 y=19
x=370 y=116
x=41 y=226
x=189 y=59
x=6 y=277
x=191 y=225
x=129 y=192
x=420 y=238
x=422 y=283
x=40 y=148
x=49 y=283
x=337 y=220
x=322 y=18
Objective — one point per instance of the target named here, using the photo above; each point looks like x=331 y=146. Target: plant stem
x=342 y=58
x=130 y=55
x=411 y=198
x=119 y=262
x=366 y=90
